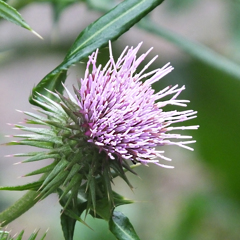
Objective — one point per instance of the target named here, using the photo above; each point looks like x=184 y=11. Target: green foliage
x=30 y=186
x=9 y=13
x=4 y=235
x=121 y=227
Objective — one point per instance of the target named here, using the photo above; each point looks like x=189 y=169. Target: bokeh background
x=199 y=198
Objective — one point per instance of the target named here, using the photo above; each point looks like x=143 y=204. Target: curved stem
x=27 y=201
x=19 y=207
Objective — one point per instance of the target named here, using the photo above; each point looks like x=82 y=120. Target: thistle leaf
x=40 y=156
x=104 y=209
x=54 y=102
x=29 y=154
x=70 y=214
x=49 y=108
x=35 y=116
x=58 y=168
x=38 y=144
x=76 y=180
x=71 y=115
x=73 y=174
x=91 y=185
x=107 y=182
x=30 y=186
x=43 y=138
x=56 y=181
x=69 y=103
x=73 y=215
x=19 y=237
x=116 y=165
x=42 y=170
x=121 y=227
x=12 y=15
x=59 y=116
x=43 y=131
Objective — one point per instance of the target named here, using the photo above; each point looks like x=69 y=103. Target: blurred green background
x=199 y=198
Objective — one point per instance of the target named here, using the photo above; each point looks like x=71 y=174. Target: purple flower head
x=123 y=116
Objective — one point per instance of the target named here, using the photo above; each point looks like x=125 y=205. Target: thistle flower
x=114 y=120
x=123 y=116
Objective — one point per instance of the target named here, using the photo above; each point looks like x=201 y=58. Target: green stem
x=19 y=207
x=194 y=49
x=22 y=205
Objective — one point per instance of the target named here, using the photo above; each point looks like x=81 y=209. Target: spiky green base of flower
x=77 y=168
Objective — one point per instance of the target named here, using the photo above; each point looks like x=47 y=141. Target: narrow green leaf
x=75 y=159
x=45 y=169
x=38 y=144
x=53 y=81
x=65 y=148
x=73 y=215
x=75 y=180
x=50 y=190
x=91 y=184
x=19 y=237
x=104 y=208
x=48 y=107
x=12 y=15
x=59 y=116
x=50 y=101
x=109 y=27
x=35 y=116
x=56 y=181
x=58 y=168
x=33 y=235
x=121 y=227
x=73 y=174
x=67 y=220
x=121 y=200
x=44 y=131
x=30 y=186
x=71 y=114
x=39 y=122
x=41 y=156
x=194 y=49
x=43 y=138
x=55 y=124
x=107 y=177
x=44 y=235
x=35 y=156
x=116 y=165
x=68 y=226
x=29 y=154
